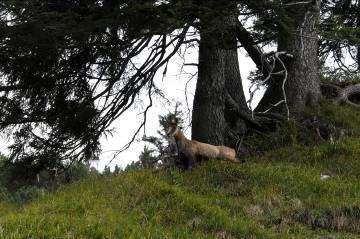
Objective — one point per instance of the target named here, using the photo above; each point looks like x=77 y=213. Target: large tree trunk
x=218 y=71
x=303 y=83
x=208 y=120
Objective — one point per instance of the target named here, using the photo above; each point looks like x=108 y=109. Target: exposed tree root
x=262 y=124
x=349 y=95
x=261 y=121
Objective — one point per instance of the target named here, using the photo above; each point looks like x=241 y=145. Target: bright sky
x=174 y=88
x=177 y=87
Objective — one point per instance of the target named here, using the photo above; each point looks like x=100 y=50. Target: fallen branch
x=349 y=95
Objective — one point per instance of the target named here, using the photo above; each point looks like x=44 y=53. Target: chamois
x=192 y=148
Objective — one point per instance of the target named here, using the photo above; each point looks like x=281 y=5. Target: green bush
x=19 y=190
x=25 y=194
x=4 y=193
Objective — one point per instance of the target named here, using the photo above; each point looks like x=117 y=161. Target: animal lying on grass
x=190 y=150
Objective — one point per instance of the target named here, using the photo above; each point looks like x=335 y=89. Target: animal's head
x=172 y=128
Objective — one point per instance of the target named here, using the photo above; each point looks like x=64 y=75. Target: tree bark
x=236 y=127
x=208 y=120
x=218 y=76
x=358 y=57
x=358 y=46
x=303 y=82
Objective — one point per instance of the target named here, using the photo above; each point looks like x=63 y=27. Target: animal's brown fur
x=195 y=148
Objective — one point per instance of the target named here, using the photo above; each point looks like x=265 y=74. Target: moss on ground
x=277 y=195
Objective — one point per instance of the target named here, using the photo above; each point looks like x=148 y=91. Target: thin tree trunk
x=272 y=96
x=358 y=57
x=233 y=84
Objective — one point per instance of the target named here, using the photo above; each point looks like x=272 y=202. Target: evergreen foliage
x=160 y=151
x=69 y=68
x=341 y=34
x=60 y=59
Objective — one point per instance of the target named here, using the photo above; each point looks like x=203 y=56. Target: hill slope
x=278 y=195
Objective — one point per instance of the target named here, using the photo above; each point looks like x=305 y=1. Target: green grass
x=342 y=116
x=277 y=195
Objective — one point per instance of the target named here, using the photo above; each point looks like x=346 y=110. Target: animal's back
x=196 y=148
x=204 y=149
x=228 y=153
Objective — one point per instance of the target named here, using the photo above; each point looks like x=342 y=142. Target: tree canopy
x=69 y=68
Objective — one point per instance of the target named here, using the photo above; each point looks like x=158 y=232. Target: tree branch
x=256 y=54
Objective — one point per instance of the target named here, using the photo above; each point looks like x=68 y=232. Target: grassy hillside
x=278 y=195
